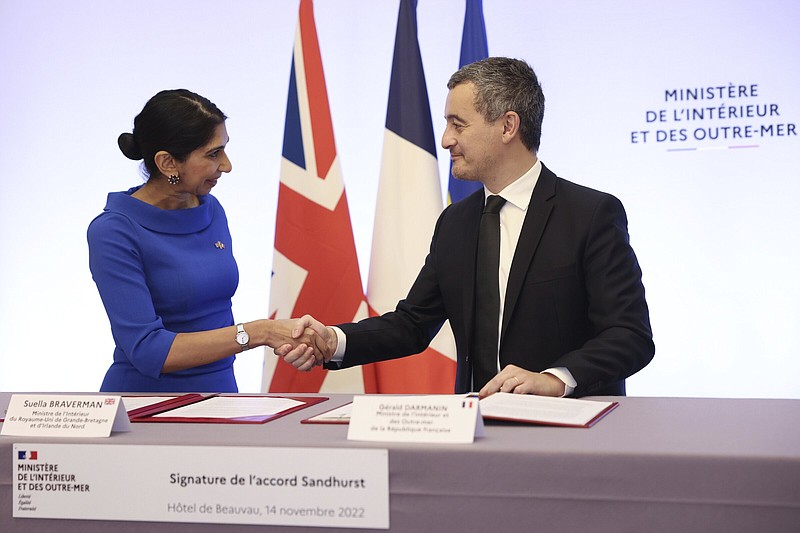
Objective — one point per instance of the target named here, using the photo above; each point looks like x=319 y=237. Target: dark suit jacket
x=575 y=297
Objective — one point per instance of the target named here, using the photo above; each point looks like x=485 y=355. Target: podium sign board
x=320 y=487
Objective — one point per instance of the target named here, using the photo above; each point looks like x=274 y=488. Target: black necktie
x=487 y=294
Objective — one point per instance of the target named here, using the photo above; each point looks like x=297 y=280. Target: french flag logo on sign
x=31 y=456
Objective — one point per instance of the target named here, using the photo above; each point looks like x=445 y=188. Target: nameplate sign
x=437 y=418
x=50 y=415
x=323 y=487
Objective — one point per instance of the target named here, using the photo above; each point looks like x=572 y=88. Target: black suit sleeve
x=407 y=330
x=619 y=338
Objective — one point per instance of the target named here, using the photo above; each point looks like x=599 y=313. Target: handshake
x=304 y=342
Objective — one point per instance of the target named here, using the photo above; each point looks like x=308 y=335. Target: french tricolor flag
x=409 y=202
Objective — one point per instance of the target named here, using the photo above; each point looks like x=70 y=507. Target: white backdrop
x=714 y=221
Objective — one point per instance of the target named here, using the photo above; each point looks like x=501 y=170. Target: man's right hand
x=308 y=332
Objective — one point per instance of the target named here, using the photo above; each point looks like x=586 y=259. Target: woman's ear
x=166 y=163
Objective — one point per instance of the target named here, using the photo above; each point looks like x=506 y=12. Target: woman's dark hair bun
x=176 y=121
x=127 y=143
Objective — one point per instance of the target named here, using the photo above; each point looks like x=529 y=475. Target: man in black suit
x=571 y=320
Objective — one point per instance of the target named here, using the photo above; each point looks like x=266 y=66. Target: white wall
x=715 y=228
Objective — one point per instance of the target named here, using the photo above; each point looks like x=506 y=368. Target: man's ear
x=510 y=121
x=166 y=163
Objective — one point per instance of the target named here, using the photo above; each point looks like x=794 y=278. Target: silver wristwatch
x=242 y=337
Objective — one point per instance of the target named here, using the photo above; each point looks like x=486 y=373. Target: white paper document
x=544 y=409
x=135 y=402
x=339 y=415
x=232 y=407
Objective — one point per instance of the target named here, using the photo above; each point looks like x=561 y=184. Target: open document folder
x=215 y=408
x=527 y=408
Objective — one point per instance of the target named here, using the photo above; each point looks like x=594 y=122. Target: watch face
x=242 y=338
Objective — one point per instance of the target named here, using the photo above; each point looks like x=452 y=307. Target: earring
x=173 y=179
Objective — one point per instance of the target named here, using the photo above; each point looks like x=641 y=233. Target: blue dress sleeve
x=117 y=267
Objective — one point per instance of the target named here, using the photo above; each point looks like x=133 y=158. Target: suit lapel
x=469 y=228
x=536 y=219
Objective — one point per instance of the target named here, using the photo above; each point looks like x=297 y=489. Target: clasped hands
x=305 y=343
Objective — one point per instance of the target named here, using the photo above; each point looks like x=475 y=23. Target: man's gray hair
x=504 y=84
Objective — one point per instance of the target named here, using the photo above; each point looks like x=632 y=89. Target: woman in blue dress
x=162 y=258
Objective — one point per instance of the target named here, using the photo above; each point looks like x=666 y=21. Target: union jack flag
x=315 y=267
